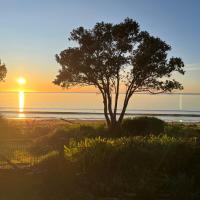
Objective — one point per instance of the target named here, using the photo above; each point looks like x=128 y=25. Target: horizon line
x=146 y=93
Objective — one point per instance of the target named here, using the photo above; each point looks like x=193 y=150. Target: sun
x=21 y=81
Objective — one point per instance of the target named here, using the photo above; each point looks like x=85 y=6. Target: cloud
x=192 y=67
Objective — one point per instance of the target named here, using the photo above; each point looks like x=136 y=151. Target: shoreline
x=177 y=118
x=100 y=113
x=65 y=121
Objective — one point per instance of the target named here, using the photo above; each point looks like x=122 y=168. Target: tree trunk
x=114 y=127
x=121 y=117
x=127 y=98
x=106 y=110
x=113 y=124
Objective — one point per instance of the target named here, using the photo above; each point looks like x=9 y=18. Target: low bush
x=57 y=138
x=143 y=126
x=7 y=130
x=143 y=166
x=182 y=130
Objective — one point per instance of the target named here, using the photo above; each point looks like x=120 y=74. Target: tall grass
x=141 y=166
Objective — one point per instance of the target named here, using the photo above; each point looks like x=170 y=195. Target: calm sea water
x=170 y=107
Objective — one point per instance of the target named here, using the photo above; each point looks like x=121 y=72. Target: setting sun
x=21 y=81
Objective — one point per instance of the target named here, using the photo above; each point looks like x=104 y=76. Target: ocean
x=169 y=107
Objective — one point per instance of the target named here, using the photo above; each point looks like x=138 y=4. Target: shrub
x=182 y=130
x=135 y=165
x=57 y=138
x=7 y=130
x=143 y=126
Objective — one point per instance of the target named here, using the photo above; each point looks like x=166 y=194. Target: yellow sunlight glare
x=21 y=81
x=21 y=101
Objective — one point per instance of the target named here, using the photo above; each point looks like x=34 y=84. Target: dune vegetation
x=72 y=160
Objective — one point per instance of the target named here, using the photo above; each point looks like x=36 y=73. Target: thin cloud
x=192 y=67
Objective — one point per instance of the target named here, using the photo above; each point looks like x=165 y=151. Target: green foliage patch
x=143 y=126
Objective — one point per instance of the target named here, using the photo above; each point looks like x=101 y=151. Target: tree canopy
x=3 y=71
x=114 y=57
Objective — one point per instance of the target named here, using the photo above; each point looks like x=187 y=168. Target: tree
x=115 y=57
x=3 y=71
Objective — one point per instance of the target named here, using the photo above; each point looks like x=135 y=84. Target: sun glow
x=21 y=104
x=21 y=101
x=21 y=81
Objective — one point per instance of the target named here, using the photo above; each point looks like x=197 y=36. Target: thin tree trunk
x=110 y=107
x=122 y=114
x=106 y=110
x=105 y=103
x=128 y=95
x=116 y=99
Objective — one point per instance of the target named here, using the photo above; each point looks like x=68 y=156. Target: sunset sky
x=32 y=32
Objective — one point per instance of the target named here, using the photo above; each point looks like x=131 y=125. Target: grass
x=100 y=165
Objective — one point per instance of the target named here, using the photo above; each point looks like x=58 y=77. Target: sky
x=32 y=32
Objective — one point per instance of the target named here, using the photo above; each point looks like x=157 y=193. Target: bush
x=143 y=166
x=143 y=126
x=57 y=138
x=7 y=130
x=182 y=130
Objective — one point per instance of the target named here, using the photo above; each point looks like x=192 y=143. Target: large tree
x=118 y=57
x=3 y=71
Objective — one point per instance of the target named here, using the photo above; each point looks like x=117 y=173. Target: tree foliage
x=114 y=57
x=3 y=71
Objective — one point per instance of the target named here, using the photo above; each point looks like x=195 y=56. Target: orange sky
x=36 y=82
x=39 y=77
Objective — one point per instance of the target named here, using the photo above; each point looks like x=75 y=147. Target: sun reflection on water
x=21 y=105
